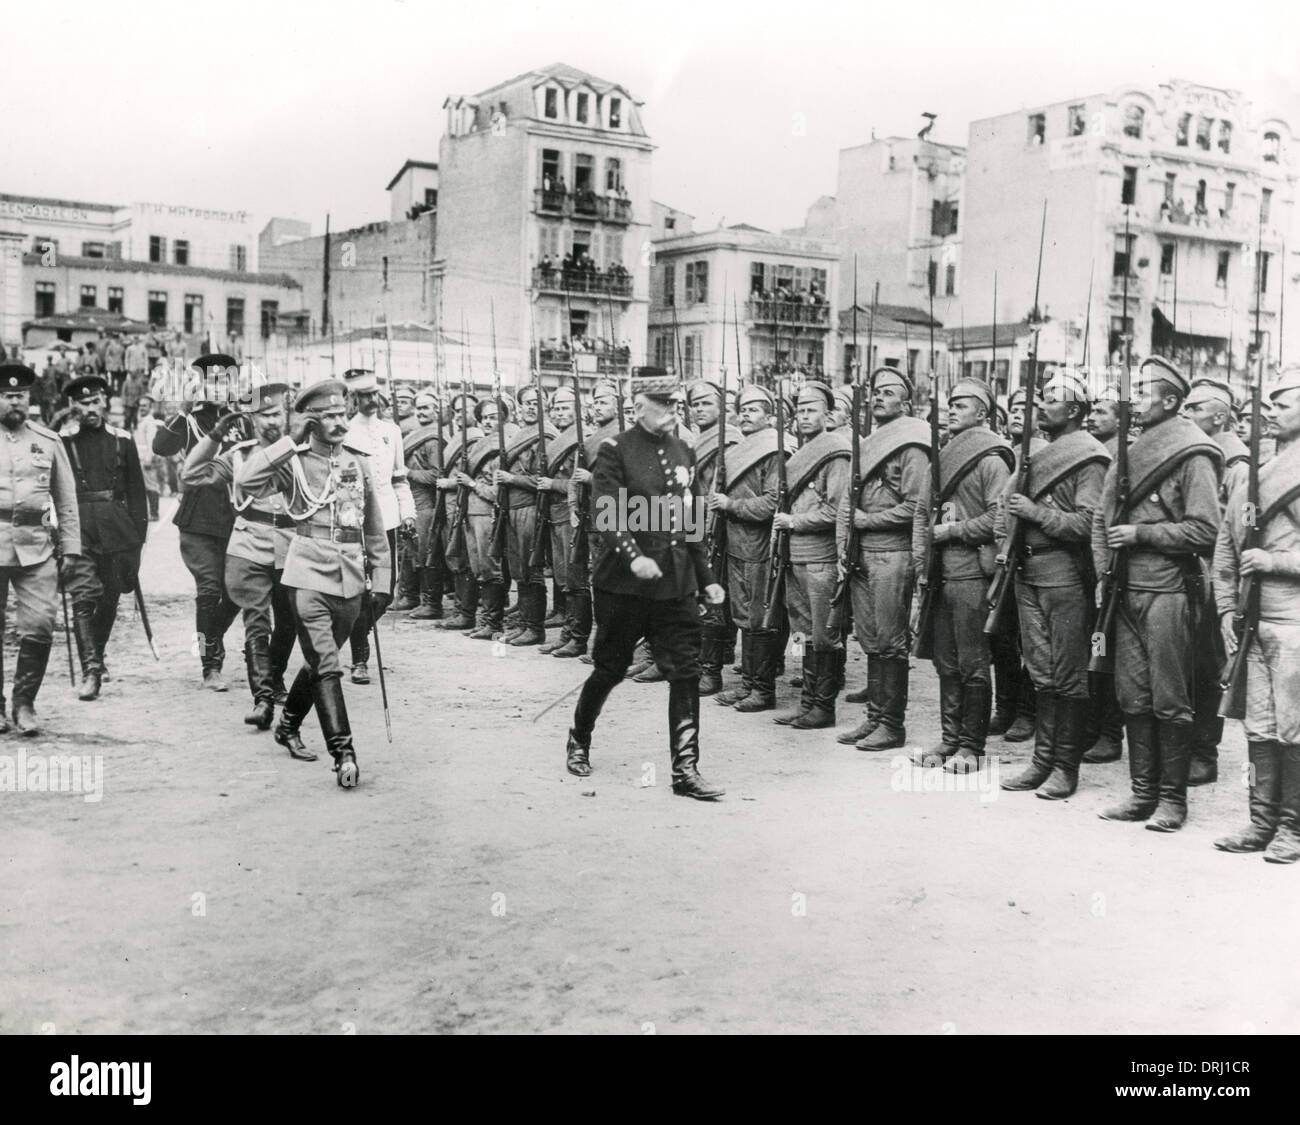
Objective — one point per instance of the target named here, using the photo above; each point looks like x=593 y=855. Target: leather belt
x=336 y=535
x=270 y=519
x=1046 y=549
x=95 y=497
x=23 y=517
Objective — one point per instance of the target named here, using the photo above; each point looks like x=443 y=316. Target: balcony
x=1214 y=226
x=1136 y=287
x=789 y=312
x=582 y=205
x=556 y=356
x=597 y=283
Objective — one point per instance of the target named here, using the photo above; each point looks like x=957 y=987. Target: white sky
x=297 y=109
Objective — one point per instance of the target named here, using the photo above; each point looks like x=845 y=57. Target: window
x=1123 y=255
x=613 y=250
x=697 y=282
x=181 y=251
x=45 y=298
x=1169 y=187
x=584 y=172
x=157 y=308
x=1203 y=125
x=93 y=250
x=663 y=351
x=1184 y=124
x=238 y=257
x=584 y=102
x=1221 y=274
x=89 y=295
x=670 y=224
x=431 y=197
x=1225 y=136
x=756 y=277
x=1120 y=327
x=1272 y=147
x=932 y=277
x=1229 y=191
x=950 y=280
x=550 y=169
x=1265 y=205
x=270 y=315
x=235 y=316
x=116 y=300
x=912 y=353
x=1077 y=121
x=43 y=243
x=943 y=218
x=385 y=271
x=1166 y=258
x=157 y=248
x=1134 y=115
x=691 y=351
x=613 y=174
x=1002 y=370
x=193 y=313
x=668 y=285
x=818 y=278
x=1200 y=195
x=1128 y=192
x=1261 y=268
x=1037 y=128
x=552 y=103
x=615 y=113
x=548 y=242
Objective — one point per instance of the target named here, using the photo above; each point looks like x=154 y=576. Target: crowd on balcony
x=585 y=201
x=811 y=296
x=579 y=272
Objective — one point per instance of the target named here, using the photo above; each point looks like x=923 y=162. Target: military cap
x=1288 y=379
x=844 y=399
x=403 y=389
x=468 y=396
x=891 y=376
x=654 y=382
x=816 y=390
x=528 y=388
x=563 y=394
x=264 y=394
x=360 y=379
x=16 y=377
x=502 y=404
x=604 y=390
x=85 y=387
x=320 y=396
x=972 y=388
x=1210 y=390
x=999 y=418
x=1162 y=369
x=1066 y=386
x=426 y=396
x=752 y=392
x=702 y=386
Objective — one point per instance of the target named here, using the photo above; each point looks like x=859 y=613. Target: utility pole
x=325 y=286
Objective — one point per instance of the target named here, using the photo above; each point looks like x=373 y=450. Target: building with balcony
x=1191 y=170
x=900 y=338
x=544 y=211
x=778 y=288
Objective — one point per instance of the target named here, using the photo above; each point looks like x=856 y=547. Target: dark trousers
x=671 y=627
x=359 y=640
x=100 y=579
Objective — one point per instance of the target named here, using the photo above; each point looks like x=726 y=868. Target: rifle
x=539 y=555
x=579 y=545
x=924 y=644
x=501 y=512
x=618 y=375
x=999 y=592
x=440 y=505
x=774 y=601
x=1245 y=618
x=1102 y=661
x=456 y=542
x=715 y=523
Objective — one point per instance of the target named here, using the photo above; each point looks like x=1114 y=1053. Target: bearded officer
x=646 y=581
x=259 y=544
x=895 y=473
x=1170 y=522
x=38 y=506
x=339 y=542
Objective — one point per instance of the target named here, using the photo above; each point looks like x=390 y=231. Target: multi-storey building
x=544 y=220
x=780 y=289
x=899 y=338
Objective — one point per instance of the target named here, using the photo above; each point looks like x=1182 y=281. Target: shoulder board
x=609 y=441
x=355 y=449
x=118 y=433
x=242 y=444
x=305 y=447
x=44 y=431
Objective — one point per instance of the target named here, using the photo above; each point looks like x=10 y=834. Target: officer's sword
x=379 y=660
x=51 y=520
x=144 y=620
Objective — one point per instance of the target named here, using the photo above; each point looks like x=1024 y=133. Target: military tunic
x=752 y=496
x=561 y=457
x=815 y=506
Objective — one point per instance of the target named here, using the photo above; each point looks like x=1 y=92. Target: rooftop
x=432 y=165
x=127 y=265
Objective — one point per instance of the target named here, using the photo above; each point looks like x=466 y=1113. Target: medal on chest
x=348 y=497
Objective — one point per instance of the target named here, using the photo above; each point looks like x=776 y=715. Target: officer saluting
x=339 y=535
x=114 y=514
x=645 y=581
x=35 y=477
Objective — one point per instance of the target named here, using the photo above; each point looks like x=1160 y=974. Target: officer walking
x=38 y=507
x=339 y=543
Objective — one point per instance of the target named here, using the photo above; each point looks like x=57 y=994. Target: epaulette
x=242 y=444
x=305 y=447
x=44 y=431
x=354 y=449
x=609 y=441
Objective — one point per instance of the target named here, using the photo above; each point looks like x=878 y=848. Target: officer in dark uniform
x=114 y=513
x=38 y=509
x=645 y=581
x=205 y=516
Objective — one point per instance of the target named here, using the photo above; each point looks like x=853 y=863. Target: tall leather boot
x=1175 y=743
x=4 y=721
x=810 y=658
x=1207 y=732
x=463 y=617
x=207 y=624
x=841 y=664
x=763 y=657
x=745 y=688
x=684 y=742
x=1046 y=724
x=1022 y=726
x=430 y=607
x=532 y=612
x=585 y=713
x=1072 y=715
x=1108 y=738
x=870 y=695
x=92 y=667
x=1143 y=769
x=33 y=656
x=711 y=645
x=976 y=705
x=491 y=610
x=359 y=643
x=890 y=732
x=332 y=712
x=257 y=652
x=1285 y=846
x=566 y=632
x=579 y=602
x=950 y=696
x=1006 y=681
x=825 y=691
x=407 y=597
x=1265 y=800
x=296 y=705
x=560 y=614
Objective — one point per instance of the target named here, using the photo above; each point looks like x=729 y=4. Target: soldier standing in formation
x=1172 y=517
x=561 y=453
x=424 y=471
x=340 y=547
x=40 y=529
x=646 y=582
x=1272 y=721
x=259 y=544
x=455 y=532
x=1053 y=585
x=481 y=479
x=889 y=513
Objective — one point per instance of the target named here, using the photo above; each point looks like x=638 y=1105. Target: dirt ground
x=470 y=884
